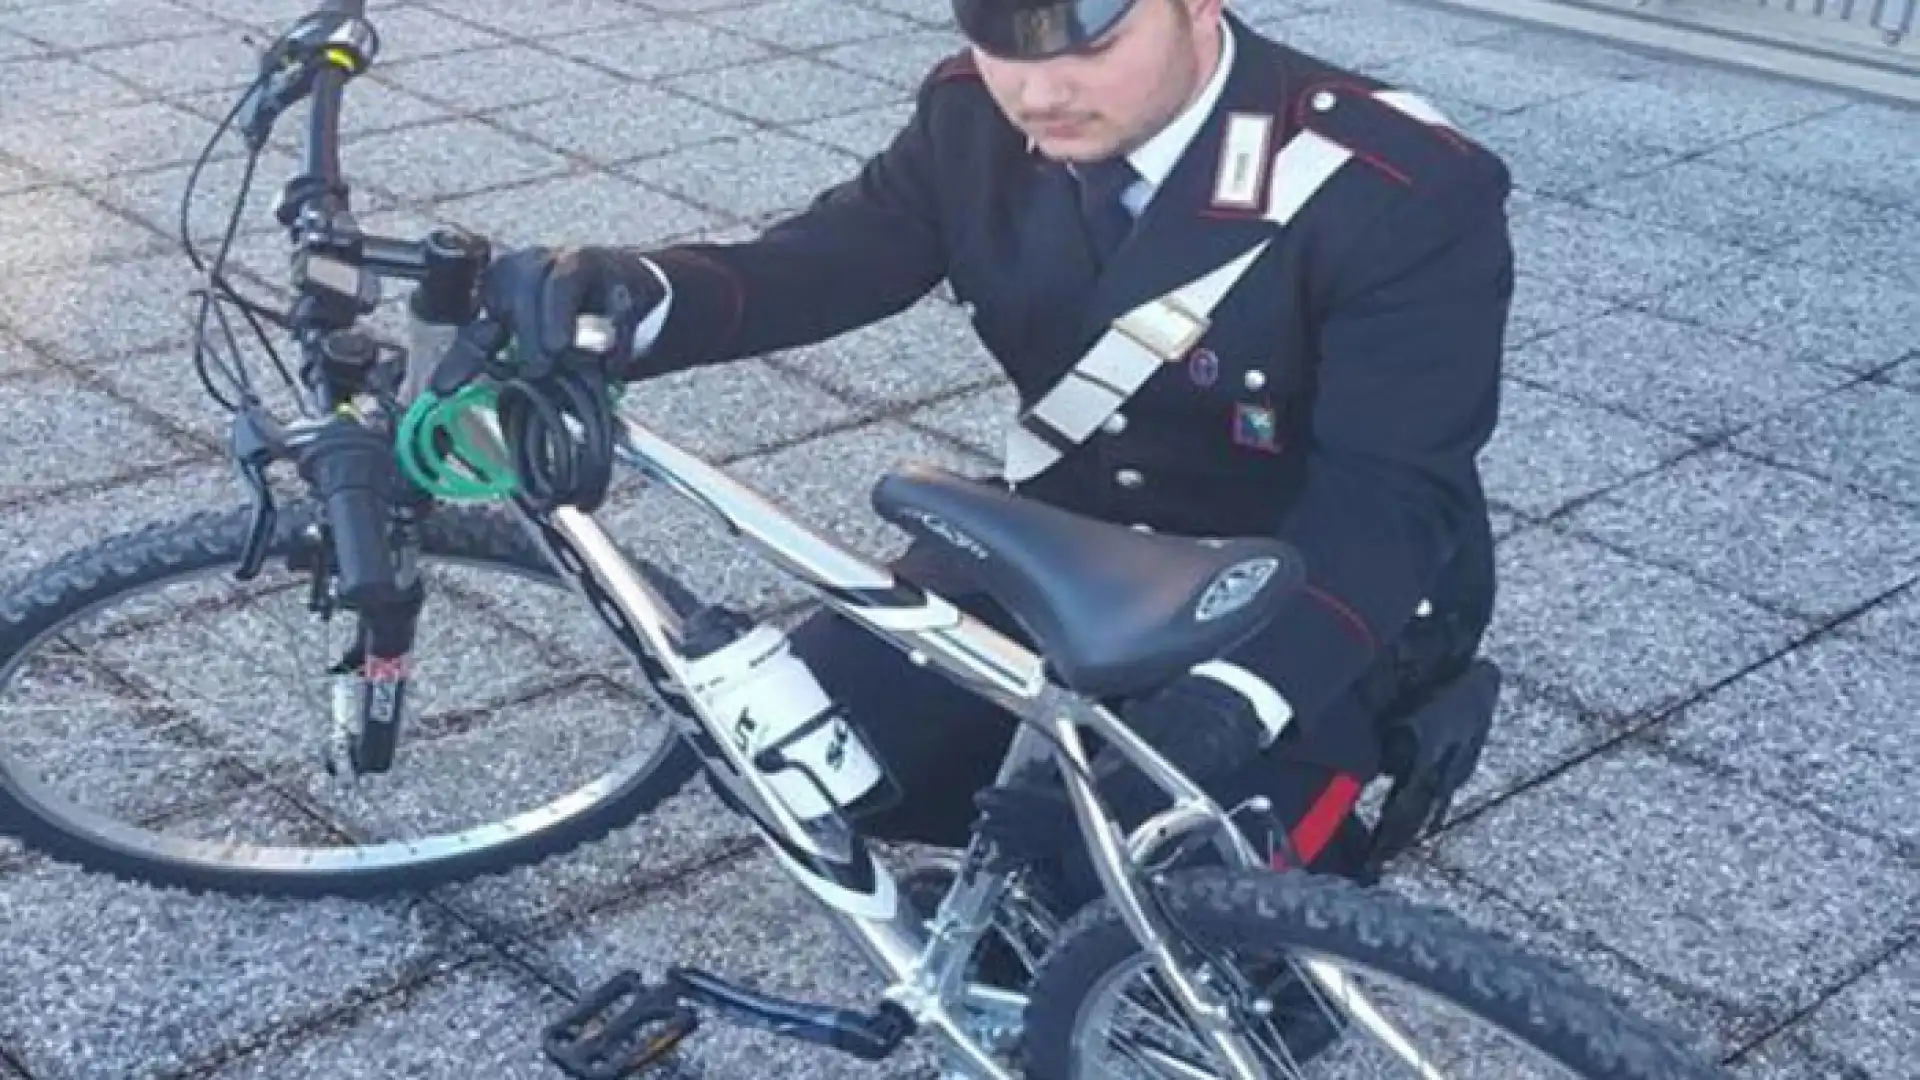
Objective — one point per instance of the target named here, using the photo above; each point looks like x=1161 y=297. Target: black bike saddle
x=1116 y=611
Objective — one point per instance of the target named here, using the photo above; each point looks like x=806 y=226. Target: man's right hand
x=538 y=294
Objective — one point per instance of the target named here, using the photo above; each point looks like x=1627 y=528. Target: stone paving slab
x=1860 y=320
x=562 y=210
x=103 y=980
x=1870 y=1021
x=1863 y=150
x=746 y=921
x=1859 y=437
x=1673 y=375
x=97 y=24
x=753 y=176
x=660 y=48
x=1621 y=638
x=588 y=126
x=737 y=918
x=1689 y=861
x=1824 y=727
x=100 y=437
x=1551 y=450
x=65 y=312
x=1542 y=306
x=927 y=351
x=60 y=229
x=15 y=357
x=1895 y=624
x=1906 y=373
x=1755 y=530
x=478 y=1021
x=1706 y=480
x=50 y=85
x=861 y=133
x=1558 y=239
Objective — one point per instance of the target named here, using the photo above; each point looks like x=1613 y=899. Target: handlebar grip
x=348 y=467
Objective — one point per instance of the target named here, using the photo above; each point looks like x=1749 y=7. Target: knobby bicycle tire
x=1540 y=1005
x=175 y=549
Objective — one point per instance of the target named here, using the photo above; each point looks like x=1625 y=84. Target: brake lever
x=254 y=555
x=286 y=77
x=268 y=100
x=257 y=442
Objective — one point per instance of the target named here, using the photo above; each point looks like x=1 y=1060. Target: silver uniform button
x=1323 y=101
x=1115 y=424
x=1129 y=478
x=1256 y=379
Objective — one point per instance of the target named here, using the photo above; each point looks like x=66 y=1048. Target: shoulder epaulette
x=1397 y=133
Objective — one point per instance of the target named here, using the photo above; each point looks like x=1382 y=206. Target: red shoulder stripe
x=960 y=65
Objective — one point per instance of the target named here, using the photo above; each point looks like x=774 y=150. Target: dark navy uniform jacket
x=1339 y=397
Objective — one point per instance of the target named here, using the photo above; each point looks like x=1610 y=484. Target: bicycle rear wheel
x=1096 y=1009
x=491 y=595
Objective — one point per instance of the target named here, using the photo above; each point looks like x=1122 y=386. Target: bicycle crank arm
x=625 y=1025
x=868 y=1037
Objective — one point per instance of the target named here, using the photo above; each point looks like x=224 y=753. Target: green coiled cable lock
x=436 y=453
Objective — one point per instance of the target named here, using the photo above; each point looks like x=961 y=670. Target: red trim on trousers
x=1318 y=825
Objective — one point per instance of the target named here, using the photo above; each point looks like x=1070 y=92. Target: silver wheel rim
x=357 y=851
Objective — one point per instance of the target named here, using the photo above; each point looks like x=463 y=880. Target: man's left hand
x=1200 y=724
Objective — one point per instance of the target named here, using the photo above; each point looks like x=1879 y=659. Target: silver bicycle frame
x=924 y=970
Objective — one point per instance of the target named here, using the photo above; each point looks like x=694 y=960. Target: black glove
x=1204 y=727
x=538 y=294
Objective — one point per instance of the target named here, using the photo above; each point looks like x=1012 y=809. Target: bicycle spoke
x=1160 y=1022
x=1167 y=1065
x=1355 y=1005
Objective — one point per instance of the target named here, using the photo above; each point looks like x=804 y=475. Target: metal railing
x=1870 y=46
x=1891 y=21
x=1872 y=31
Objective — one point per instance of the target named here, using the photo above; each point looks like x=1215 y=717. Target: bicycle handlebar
x=346 y=49
x=348 y=463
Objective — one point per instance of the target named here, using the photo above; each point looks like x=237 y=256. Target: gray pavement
x=1702 y=792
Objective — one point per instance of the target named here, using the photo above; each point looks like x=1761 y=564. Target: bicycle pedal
x=621 y=1027
x=868 y=1036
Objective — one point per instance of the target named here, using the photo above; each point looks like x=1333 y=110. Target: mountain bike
x=442 y=449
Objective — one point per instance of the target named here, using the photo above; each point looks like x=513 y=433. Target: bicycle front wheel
x=1416 y=992
x=141 y=737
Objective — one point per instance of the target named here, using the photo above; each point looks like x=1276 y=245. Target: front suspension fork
x=370 y=680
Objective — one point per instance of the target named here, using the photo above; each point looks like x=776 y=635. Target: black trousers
x=941 y=744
